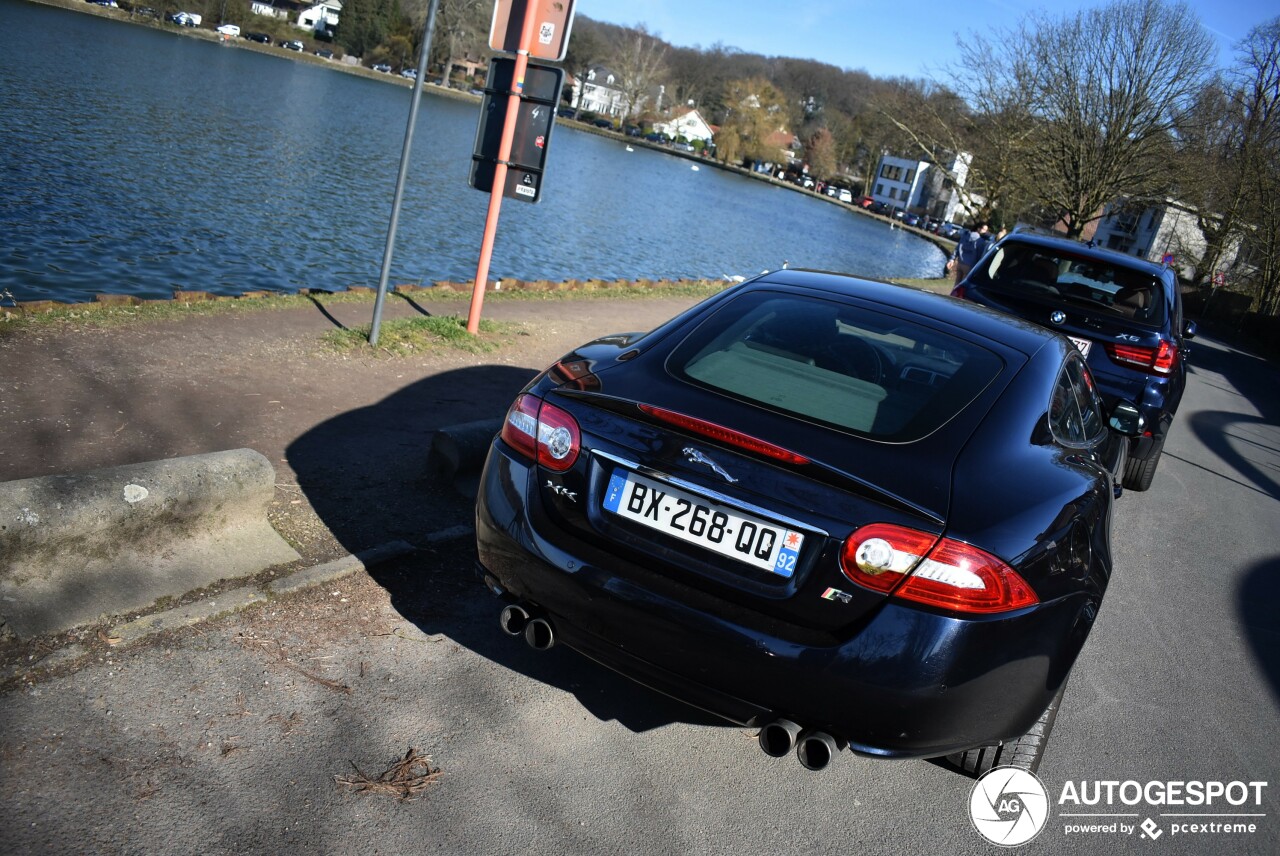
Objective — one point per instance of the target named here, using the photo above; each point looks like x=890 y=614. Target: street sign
x=534 y=121
x=1166 y=259
x=1219 y=279
x=554 y=20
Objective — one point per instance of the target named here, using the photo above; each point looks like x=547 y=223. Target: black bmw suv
x=1123 y=313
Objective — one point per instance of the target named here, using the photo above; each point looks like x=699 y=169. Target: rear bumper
x=902 y=683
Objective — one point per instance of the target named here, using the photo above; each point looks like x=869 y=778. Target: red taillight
x=920 y=567
x=724 y=435
x=1161 y=359
x=542 y=432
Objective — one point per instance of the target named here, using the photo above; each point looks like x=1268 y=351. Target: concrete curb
x=74 y=548
x=236 y=600
x=241 y=598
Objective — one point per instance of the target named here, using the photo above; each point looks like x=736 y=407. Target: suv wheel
x=1025 y=752
x=1138 y=472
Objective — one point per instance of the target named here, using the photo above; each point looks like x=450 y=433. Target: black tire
x=1138 y=472
x=1024 y=753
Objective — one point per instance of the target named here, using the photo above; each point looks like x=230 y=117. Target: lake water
x=134 y=161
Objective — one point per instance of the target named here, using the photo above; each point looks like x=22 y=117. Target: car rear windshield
x=1097 y=285
x=841 y=365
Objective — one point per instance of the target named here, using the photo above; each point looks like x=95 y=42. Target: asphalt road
x=230 y=737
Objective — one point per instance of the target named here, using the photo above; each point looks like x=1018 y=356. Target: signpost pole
x=500 y=169
x=414 y=100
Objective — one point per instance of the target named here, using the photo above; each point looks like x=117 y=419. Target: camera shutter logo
x=1008 y=806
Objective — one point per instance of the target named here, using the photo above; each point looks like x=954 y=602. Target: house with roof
x=925 y=187
x=686 y=122
x=599 y=92
x=320 y=18
x=270 y=9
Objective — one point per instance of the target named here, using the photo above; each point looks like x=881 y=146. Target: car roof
x=996 y=327
x=1081 y=248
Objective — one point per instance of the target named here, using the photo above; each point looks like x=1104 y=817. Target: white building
x=688 y=123
x=1168 y=230
x=265 y=7
x=320 y=17
x=925 y=187
x=599 y=93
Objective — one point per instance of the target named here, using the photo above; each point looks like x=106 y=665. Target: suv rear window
x=1093 y=284
x=844 y=366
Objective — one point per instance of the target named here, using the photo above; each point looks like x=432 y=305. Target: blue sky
x=886 y=38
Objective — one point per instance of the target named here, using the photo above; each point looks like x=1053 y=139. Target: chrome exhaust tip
x=513 y=619
x=778 y=738
x=539 y=634
x=815 y=749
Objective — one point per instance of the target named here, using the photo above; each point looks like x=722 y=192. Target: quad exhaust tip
x=814 y=749
x=516 y=620
x=513 y=619
x=539 y=634
x=778 y=738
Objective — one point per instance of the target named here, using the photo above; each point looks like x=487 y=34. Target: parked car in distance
x=185 y=19
x=565 y=112
x=229 y=30
x=1124 y=314
x=728 y=509
x=409 y=73
x=865 y=201
x=603 y=123
x=684 y=147
x=261 y=38
x=146 y=12
x=844 y=196
x=324 y=53
x=910 y=219
x=292 y=45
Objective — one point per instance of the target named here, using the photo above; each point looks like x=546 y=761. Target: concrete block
x=77 y=548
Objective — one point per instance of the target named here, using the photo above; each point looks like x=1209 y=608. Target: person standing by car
x=970 y=248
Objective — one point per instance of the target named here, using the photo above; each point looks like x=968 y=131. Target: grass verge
x=401 y=337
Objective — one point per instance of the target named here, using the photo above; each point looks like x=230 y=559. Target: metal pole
x=415 y=97
x=500 y=170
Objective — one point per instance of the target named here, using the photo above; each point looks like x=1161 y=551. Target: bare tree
x=1229 y=144
x=640 y=61
x=462 y=29
x=1105 y=87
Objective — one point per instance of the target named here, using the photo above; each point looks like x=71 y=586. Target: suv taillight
x=1160 y=360
x=920 y=567
x=542 y=432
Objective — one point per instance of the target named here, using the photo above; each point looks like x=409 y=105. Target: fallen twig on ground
x=403 y=780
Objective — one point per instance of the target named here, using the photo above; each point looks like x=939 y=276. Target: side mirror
x=1189 y=330
x=1126 y=419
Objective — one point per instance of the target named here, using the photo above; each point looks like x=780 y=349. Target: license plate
x=1082 y=345
x=707 y=524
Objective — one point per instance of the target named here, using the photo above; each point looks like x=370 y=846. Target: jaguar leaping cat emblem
x=694 y=456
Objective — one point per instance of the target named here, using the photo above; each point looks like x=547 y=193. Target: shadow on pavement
x=1258 y=601
x=364 y=474
x=1253 y=454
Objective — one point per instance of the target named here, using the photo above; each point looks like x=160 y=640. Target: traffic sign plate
x=554 y=20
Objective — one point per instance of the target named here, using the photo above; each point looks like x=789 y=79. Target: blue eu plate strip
x=613 y=496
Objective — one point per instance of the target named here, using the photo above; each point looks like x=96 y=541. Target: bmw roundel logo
x=1058 y=316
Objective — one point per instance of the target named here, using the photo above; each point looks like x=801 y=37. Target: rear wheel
x=1023 y=752
x=1138 y=472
